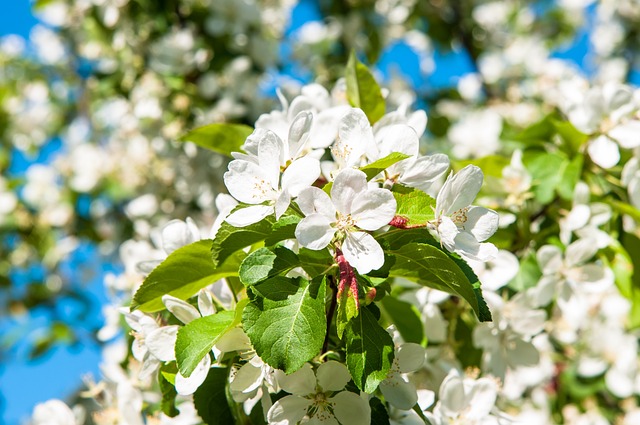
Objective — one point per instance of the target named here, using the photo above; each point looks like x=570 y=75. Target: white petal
x=177 y=233
x=314 y=200
x=619 y=382
x=351 y=409
x=288 y=410
x=187 y=386
x=426 y=398
x=363 y=252
x=271 y=157
x=300 y=382
x=183 y=311
x=332 y=376
x=580 y=251
x=410 y=357
x=355 y=136
x=299 y=133
x=399 y=393
x=373 y=208
x=447 y=230
x=53 y=412
x=452 y=394
x=549 y=259
x=604 y=152
x=483 y=398
x=423 y=171
x=161 y=342
x=314 y=232
x=205 y=303
x=347 y=184
x=233 y=340
x=282 y=203
x=459 y=190
x=325 y=126
x=249 y=182
x=397 y=138
x=248 y=378
x=249 y=215
x=627 y=134
x=300 y=174
x=481 y=222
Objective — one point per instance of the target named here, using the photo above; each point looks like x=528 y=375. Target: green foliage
x=197 y=338
x=362 y=90
x=210 y=398
x=414 y=205
x=222 y=138
x=379 y=414
x=370 y=350
x=376 y=167
x=167 y=389
x=406 y=318
x=546 y=172
x=430 y=266
x=286 y=321
x=183 y=273
x=266 y=263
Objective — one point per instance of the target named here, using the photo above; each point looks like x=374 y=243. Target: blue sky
x=59 y=373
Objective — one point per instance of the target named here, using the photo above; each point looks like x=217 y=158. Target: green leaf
x=528 y=275
x=376 y=167
x=624 y=208
x=265 y=263
x=491 y=165
x=406 y=318
x=168 y=403
x=546 y=172
x=430 y=266
x=572 y=136
x=414 y=205
x=379 y=414
x=362 y=90
x=315 y=262
x=287 y=323
x=183 y=273
x=570 y=177
x=196 y=339
x=210 y=399
x=222 y=138
x=370 y=351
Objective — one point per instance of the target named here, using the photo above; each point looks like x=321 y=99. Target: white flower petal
x=282 y=203
x=355 y=137
x=301 y=382
x=314 y=232
x=188 y=386
x=332 y=376
x=604 y=152
x=351 y=409
x=161 y=342
x=422 y=171
x=482 y=399
x=363 y=252
x=205 y=303
x=299 y=132
x=288 y=410
x=300 y=174
x=410 y=357
x=233 y=340
x=397 y=138
x=177 y=233
x=399 y=393
x=249 y=182
x=627 y=134
x=580 y=251
x=459 y=190
x=314 y=200
x=373 y=208
x=183 y=311
x=549 y=259
x=248 y=379
x=481 y=222
x=271 y=157
x=249 y=215
x=468 y=247
x=452 y=394
x=347 y=184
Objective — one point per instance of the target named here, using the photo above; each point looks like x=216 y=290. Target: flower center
x=345 y=222
x=460 y=217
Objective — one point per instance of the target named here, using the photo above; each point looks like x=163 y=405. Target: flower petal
x=397 y=138
x=354 y=137
x=351 y=409
x=288 y=410
x=314 y=232
x=177 y=233
x=604 y=152
x=373 y=208
x=249 y=215
x=410 y=357
x=399 y=393
x=300 y=174
x=183 y=311
x=421 y=172
x=459 y=190
x=347 y=184
x=481 y=222
x=332 y=376
x=249 y=182
x=314 y=200
x=248 y=379
x=363 y=252
x=627 y=134
x=301 y=382
x=299 y=133
x=161 y=342
x=188 y=386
